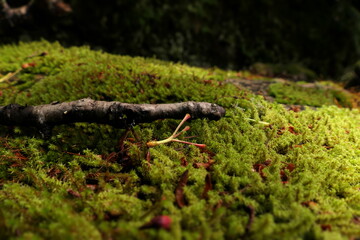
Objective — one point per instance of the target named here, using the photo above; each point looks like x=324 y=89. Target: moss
x=300 y=173
x=319 y=95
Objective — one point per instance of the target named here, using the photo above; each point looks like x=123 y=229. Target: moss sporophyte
x=173 y=137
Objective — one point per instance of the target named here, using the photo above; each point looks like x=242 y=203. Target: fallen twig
x=122 y=115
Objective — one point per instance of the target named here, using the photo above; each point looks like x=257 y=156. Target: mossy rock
x=310 y=94
x=350 y=76
x=295 y=71
x=271 y=173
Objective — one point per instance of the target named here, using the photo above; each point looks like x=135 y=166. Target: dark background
x=323 y=35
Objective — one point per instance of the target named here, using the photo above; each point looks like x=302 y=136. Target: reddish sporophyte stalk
x=173 y=137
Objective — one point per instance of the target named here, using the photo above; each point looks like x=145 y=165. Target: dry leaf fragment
x=208 y=186
x=204 y=165
x=179 y=191
x=73 y=193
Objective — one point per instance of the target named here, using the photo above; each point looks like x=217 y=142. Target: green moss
x=297 y=93
x=300 y=174
x=68 y=74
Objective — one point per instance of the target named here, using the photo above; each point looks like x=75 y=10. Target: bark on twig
x=122 y=115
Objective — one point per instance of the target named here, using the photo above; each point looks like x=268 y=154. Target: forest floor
x=266 y=172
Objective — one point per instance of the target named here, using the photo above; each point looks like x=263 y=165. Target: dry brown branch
x=122 y=115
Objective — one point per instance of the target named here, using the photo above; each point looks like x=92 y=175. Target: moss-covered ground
x=267 y=173
x=318 y=94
